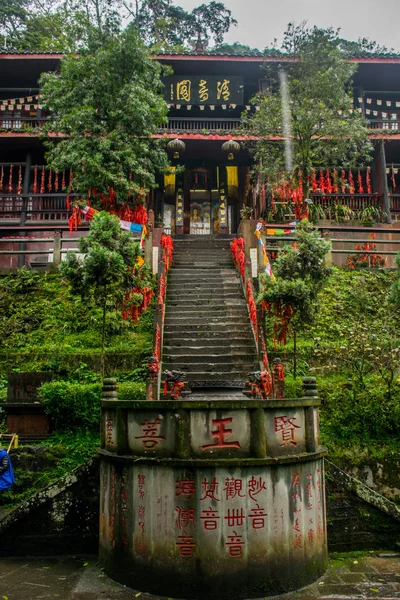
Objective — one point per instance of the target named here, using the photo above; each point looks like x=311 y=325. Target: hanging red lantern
x=335 y=182
x=368 y=181
x=360 y=183
x=321 y=182
x=351 y=183
x=10 y=179
x=328 y=182
x=35 y=180
x=42 y=182
x=343 y=181
x=314 y=183
x=19 y=188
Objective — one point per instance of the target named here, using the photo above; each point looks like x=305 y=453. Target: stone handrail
x=155 y=363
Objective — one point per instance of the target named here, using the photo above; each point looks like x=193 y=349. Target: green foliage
x=106 y=104
x=395 y=290
x=299 y=274
x=351 y=412
x=105 y=273
x=63 y=452
x=44 y=327
x=162 y=24
x=74 y=406
x=325 y=129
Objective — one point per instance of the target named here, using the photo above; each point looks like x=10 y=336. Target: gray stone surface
x=80 y=578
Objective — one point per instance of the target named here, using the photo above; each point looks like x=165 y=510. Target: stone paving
x=354 y=576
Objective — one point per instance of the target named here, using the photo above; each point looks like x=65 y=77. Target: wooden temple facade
x=206 y=95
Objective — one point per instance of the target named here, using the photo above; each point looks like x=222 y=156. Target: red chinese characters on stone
x=257 y=516
x=297 y=541
x=185 y=518
x=141 y=480
x=233 y=487
x=235 y=517
x=220 y=433
x=141 y=511
x=234 y=545
x=185 y=544
x=286 y=427
x=151 y=431
x=185 y=488
x=109 y=430
x=209 y=518
x=255 y=486
x=209 y=489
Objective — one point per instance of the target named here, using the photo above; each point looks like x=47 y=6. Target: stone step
x=209 y=340
x=201 y=265
x=231 y=291
x=210 y=368
x=185 y=303
x=229 y=324
x=190 y=286
x=244 y=346
x=206 y=278
x=217 y=376
x=205 y=310
x=199 y=359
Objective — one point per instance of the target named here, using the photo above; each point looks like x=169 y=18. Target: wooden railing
x=21 y=122
x=181 y=123
x=395 y=206
x=34 y=207
x=353 y=201
x=384 y=125
x=199 y=124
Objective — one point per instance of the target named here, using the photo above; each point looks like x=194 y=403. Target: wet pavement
x=354 y=576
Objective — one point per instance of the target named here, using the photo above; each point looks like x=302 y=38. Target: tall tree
x=315 y=112
x=104 y=107
x=105 y=273
x=300 y=273
x=163 y=24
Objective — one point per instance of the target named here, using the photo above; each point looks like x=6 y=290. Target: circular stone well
x=214 y=499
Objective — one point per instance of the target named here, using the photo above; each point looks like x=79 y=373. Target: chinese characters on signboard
x=200 y=90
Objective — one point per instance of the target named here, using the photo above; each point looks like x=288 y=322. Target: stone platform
x=353 y=576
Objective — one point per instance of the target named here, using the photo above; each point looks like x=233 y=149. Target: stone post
x=311 y=414
x=246 y=229
x=328 y=258
x=57 y=249
x=148 y=249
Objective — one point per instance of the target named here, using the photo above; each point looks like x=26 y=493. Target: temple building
x=206 y=95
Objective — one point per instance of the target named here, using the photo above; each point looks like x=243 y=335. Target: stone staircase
x=207 y=332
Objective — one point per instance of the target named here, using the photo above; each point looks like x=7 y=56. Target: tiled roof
x=30 y=52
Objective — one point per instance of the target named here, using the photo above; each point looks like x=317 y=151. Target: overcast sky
x=260 y=21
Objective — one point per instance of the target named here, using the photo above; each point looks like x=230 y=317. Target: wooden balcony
x=178 y=124
x=33 y=208
x=199 y=125
x=20 y=123
x=354 y=201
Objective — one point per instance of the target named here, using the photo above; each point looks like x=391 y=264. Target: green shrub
x=74 y=405
x=349 y=411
